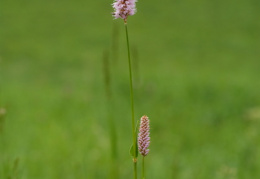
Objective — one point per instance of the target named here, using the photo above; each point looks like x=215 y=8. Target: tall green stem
x=143 y=170
x=132 y=103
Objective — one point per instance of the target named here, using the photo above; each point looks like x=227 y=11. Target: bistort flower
x=143 y=136
x=124 y=8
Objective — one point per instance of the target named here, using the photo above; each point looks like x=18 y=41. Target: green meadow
x=196 y=68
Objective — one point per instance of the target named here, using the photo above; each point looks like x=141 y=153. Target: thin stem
x=135 y=170
x=143 y=170
x=132 y=102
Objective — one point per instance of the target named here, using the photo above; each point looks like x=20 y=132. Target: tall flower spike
x=124 y=8
x=143 y=136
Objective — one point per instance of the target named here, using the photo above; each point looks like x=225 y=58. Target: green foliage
x=198 y=82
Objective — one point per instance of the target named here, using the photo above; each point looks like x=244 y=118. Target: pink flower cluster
x=143 y=136
x=124 y=8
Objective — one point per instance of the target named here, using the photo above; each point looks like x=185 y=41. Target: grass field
x=198 y=81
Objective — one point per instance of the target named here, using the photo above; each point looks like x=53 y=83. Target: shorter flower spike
x=143 y=136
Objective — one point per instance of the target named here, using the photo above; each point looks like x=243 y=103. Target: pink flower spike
x=143 y=136
x=124 y=8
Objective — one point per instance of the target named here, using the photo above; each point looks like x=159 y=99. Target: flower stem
x=143 y=170
x=132 y=103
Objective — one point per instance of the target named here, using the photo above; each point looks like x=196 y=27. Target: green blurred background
x=196 y=75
